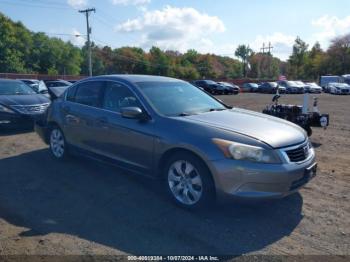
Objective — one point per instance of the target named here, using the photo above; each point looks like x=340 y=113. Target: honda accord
x=167 y=128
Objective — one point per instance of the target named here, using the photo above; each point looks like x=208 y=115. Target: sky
x=207 y=26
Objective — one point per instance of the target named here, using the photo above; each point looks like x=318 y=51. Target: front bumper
x=244 y=180
x=42 y=129
x=16 y=120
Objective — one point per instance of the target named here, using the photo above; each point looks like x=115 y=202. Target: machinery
x=300 y=115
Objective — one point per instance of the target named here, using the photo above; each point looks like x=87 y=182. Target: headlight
x=6 y=110
x=239 y=151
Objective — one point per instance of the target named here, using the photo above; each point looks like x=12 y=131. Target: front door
x=129 y=141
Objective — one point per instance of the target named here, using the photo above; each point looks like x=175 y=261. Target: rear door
x=82 y=113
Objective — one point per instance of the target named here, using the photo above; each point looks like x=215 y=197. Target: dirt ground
x=83 y=207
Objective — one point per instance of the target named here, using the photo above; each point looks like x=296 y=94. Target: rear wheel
x=188 y=181
x=58 y=145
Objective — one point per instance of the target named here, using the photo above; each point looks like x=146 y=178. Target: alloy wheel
x=185 y=182
x=57 y=143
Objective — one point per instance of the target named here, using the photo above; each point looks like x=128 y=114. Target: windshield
x=210 y=82
x=15 y=88
x=226 y=84
x=341 y=85
x=253 y=85
x=291 y=83
x=178 y=98
x=273 y=84
x=312 y=84
x=299 y=83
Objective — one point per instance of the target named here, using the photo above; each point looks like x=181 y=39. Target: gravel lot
x=85 y=207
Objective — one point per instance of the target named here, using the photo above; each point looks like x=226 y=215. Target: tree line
x=24 y=51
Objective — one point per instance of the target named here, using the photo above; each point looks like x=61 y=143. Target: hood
x=270 y=130
x=11 y=100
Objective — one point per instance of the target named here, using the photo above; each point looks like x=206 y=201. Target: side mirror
x=131 y=112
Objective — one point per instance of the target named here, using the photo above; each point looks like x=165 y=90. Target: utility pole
x=269 y=47
x=88 y=29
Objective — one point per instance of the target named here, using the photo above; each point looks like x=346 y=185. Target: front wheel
x=58 y=145
x=188 y=181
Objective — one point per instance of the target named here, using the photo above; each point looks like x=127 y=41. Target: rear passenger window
x=118 y=96
x=89 y=93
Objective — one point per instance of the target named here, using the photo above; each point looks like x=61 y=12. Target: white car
x=312 y=87
x=338 y=88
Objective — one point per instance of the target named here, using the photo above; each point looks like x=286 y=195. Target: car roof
x=135 y=78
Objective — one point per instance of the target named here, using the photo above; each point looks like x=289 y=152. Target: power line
x=88 y=29
x=64 y=34
x=35 y=5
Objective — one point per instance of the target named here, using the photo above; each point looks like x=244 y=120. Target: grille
x=298 y=154
x=31 y=109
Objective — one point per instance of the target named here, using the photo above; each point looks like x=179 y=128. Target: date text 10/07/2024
x=173 y=258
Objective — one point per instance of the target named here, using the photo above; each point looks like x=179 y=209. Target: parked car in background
x=232 y=89
x=210 y=86
x=269 y=87
x=312 y=87
x=54 y=83
x=250 y=87
x=324 y=80
x=57 y=87
x=345 y=79
x=338 y=88
x=291 y=87
x=301 y=84
x=37 y=85
x=134 y=121
x=20 y=104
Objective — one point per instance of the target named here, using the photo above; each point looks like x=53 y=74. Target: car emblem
x=306 y=150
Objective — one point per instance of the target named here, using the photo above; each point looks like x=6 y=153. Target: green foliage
x=23 y=51
x=298 y=59
x=311 y=64
x=264 y=66
x=244 y=52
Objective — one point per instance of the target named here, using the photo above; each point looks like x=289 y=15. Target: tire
x=57 y=142
x=184 y=172
x=308 y=131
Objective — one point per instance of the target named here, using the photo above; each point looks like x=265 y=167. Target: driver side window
x=117 y=96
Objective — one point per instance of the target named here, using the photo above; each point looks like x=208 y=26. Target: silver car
x=169 y=129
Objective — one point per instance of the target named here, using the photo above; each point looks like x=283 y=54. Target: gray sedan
x=168 y=129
